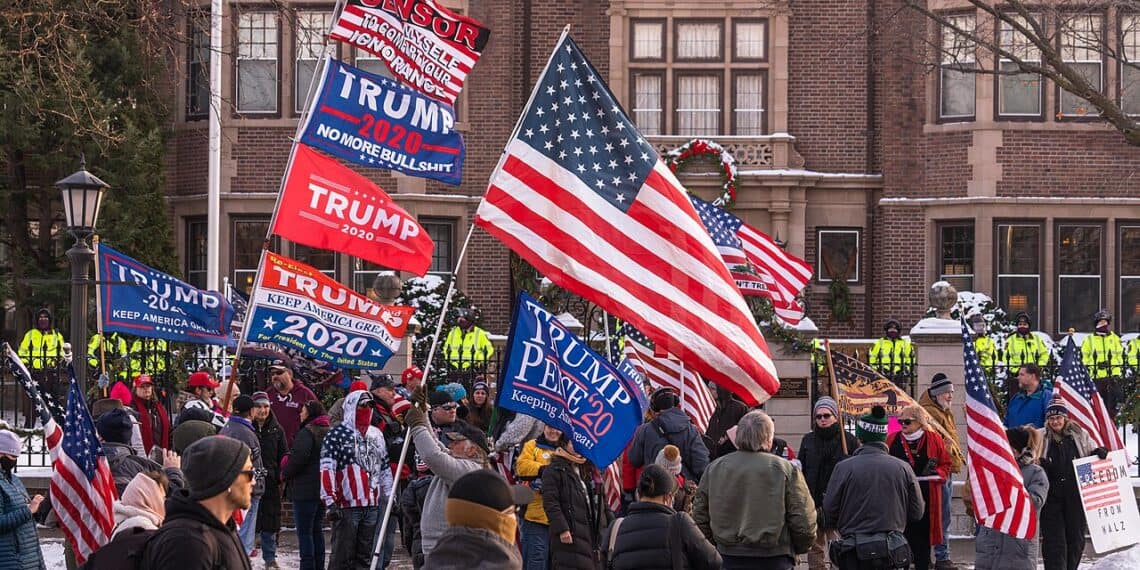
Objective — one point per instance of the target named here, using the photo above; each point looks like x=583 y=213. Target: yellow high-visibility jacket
x=40 y=349
x=462 y=349
x=891 y=356
x=1103 y=355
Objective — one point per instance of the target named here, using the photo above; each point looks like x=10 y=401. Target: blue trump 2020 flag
x=551 y=374
x=143 y=301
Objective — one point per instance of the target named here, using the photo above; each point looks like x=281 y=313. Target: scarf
x=569 y=456
x=149 y=411
x=913 y=437
x=827 y=433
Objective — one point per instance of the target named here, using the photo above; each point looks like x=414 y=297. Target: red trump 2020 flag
x=583 y=197
x=328 y=206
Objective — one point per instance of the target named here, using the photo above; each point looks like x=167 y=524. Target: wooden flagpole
x=834 y=395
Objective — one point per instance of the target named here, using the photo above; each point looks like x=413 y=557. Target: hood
x=674 y=420
x=349 y=408
x=180 y=506
x=124 y=512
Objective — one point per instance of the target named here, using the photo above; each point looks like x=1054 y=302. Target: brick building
x=880 y=171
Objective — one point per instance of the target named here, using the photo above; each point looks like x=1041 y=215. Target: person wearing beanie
x=19 y=541
x=821 y=450
x=996 y=550
x=670 y=458
x=646 y=537
x=198 y=531
x=531 y=462
x=481 y=406
x=336 y=411
x=938 y=401
x=193 y=424
x=239 y=426
x=444 y=410
x=301 y=473
x=114 y=429
x=271 y=438
x=870 y=493
x=154 y=421
x=286 y=397
x=480 y=511
x=1062 y=516
x=670 y=425
x=892 y=355
x=922 y=449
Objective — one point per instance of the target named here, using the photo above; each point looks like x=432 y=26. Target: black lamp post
x=82 y=194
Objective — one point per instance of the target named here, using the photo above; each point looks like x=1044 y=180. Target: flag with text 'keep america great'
x=583 y=197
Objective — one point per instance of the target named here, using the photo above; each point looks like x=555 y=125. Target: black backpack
x=124 y=552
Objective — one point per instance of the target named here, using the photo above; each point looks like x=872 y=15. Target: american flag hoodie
x=354 y=460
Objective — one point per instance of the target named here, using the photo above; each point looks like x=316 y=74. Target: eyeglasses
x=277 y=372
x=823 y=416
x=451 y=406
x=251 y=473
x=905 y=422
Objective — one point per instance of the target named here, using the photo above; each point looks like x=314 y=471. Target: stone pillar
x=790 y=407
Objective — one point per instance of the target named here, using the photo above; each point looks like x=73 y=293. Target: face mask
x=7 y=464
x=363 y=418
x=1022 y=329
x=892 y=334
x=1102 y=329
x=43 y=324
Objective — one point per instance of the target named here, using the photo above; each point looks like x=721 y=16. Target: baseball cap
x=143 y=380
x=464 y=431
x=202 y=379
x=410 y=373
x=281 y=364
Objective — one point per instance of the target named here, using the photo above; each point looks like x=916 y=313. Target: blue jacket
x=19 y=544
x=1028 y=408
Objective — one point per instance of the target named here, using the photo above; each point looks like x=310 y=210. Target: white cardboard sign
x=1109 y=502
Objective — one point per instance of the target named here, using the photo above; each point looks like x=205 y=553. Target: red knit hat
x=357 y=385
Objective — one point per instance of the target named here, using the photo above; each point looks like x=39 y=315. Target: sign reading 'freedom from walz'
x=298 y=306
x=1108 y=500
x=424 y=44
x=374 y=121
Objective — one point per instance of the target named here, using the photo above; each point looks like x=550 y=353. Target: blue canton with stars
x=721 y=225
x=976 y=386
x=79 y=442
x=575 y=121
x=45 y=405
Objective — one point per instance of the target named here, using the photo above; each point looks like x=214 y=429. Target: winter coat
x=943 y=423
x=125 y=465
x=411 y=508
x=727 y=414
x=999 y=551
x=467 y=548
x=571 y=505
x=755 y=504
x=520 y=429
x=644 y=540
x=1028 y=408
x=1057 y=460
x=534 y=457
x=241 y=429
x=820 y=451
x=354 y=463
x=154 y=423
x=302 y=466
x=872 y=492
x=273 y=448
x=19 y=543
x=447 y=470
x=192 y=538
x=671 y=426
x=929 y=448
x=128 y=517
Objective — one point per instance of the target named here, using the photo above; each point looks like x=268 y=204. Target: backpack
x=124 y=552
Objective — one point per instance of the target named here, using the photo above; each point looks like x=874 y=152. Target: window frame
x=1058 y=93
x=1040 y=275
x=1123 y=322
x=820 y=277
x=189 y=222
x=662 y=112
x=677 y=75
x=295 y=24
x=664 y=22
x=764 y=112
x=767 y=30
x=453 y=226
x=1103 y=249
x=238 y=113
x=333 y=273
x=943 y=225
x=234 y=221
x=943 y=67
x=1123 y=61
x=193 y=18
x=998 y=115
x=676 y=43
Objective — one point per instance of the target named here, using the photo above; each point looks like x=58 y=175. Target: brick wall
x=817 y=295
x=187 y=162
x=946 y=163
x=900 y=282
x=1070 y=164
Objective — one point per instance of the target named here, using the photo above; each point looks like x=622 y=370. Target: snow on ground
x=53 y=554
x=1123 y=560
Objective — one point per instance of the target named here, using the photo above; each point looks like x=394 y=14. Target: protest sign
x=143 y=301
x=1108 y=499
x=552 y=375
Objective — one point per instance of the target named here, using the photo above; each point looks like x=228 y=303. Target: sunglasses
x=905 y=422
x=251 y=473
x=452 y=406
x=823 y=416
x=277 y=372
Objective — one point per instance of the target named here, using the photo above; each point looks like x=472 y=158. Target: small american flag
x=1085 y=405
x=760 y=267
x=1098 y=493
x=666 y=372
x=585 y=199
x=611 y=485
x=998 y=491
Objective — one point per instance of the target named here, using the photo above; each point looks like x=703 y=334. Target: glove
x=419 y=396
x=415 y=417
x=1101 y=453
x=334 y=514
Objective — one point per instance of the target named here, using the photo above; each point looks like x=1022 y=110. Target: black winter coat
x=191 y=538
x=273 y=448
x=820 y=450
x=671 y=426
x=644 y=541
x=302 y=471
x=572 y=504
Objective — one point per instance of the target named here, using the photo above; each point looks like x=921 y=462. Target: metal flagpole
x=606 y=324
x=98 y=321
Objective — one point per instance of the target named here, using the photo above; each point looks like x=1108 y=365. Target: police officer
x=1024 y=347
x=42 y=350
x=467 y=345
x=892 y=355
x=984 y=345
x=147 y=356
x=114 y=347
x=1103 y=354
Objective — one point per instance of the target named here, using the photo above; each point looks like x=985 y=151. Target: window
x=700 y=41
x=648 y=40
x=956 y=79
x=750 y=40
x=441 y=233
x=1081 y=49
x=647 y=101
x=956 y=255
x=698 y=105
x=838 y=255
x=247 y=237
x=1128 y=245
x=308 y=45
x=322 y=260
x=748 y=102
x=1130 y=64
x=1078 y=275
x=257 y=52
x=1019 y=269
x=364 y=272
x=372 y=64
x=198 y=67
x=1019 y=93
x=196 y=248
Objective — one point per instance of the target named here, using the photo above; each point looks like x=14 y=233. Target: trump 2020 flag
x=144 y=301
x=328 y=206
x=297 y=306
x=374 y=121
x=551 y=374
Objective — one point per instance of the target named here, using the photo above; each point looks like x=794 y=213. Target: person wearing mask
x=114 y=429
x=938 y=401
x=1103 y=354
x=996 y=550
x=875 y=495
x=147 y=356
x=388 y=406
x=467 y=346
x=754 y=505
x=727 y=414
x=573 y=509
x=670 y=425
x=19 y=542
x=820 y=451
x=480 y=511
x=240 y=427
x=983 y=345
x=481 y=406
x=41 y=349
x=273 y=449
x=154 y=422
x=204 y=388
x=653 y=535
x=891 y=355
x=286 y=397
x=198 y=532
x=301 y=472
x=355 y=480
x=1023 y=347
x=336 y=411
x=1063 y=516
x=532 y=460
x=1028 y=406
x=193 y=424
x=922 y=448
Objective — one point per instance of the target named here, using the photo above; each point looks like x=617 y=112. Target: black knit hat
x=211 y=464
x=940 y=384
x=487 y=488
x=439 y=398
x=115 y=426
x=664 y=399
x=1018 y=438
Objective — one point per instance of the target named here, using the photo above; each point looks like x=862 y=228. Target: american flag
x=1083 y=401
x=611 y=485
x=1098 y=493
x=583 y=197
x=667 y=372
x=240 y=302
x=760 y=267
x=998 y=491
x=354 y=467
x=82 y=488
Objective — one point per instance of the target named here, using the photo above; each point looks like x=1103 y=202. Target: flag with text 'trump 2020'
x=328 y=206
x=296 y=305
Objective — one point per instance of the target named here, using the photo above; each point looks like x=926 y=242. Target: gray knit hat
x=211 y=464
x=940 y=384
x=826 y=402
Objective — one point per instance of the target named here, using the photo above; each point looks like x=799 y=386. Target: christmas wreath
x=681 y=155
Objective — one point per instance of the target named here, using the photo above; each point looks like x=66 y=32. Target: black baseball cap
x=464 y=431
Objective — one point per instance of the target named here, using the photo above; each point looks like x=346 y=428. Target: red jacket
x=936 y=450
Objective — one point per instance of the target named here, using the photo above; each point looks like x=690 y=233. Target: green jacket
x=891 y=356
x=1020 y=351
x=755 y=504
x=1103 y=355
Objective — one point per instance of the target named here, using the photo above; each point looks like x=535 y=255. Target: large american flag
x=1085 y=406
x=998 y=491
x=760 y=267
x=583 y=197
x=82 y=489
x=667 y=372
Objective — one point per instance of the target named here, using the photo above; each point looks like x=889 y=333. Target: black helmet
x=1023 y=316
x=892 y=323
x=1102 y=315
x=977 y=318
x=464 y=313
x=44 y=312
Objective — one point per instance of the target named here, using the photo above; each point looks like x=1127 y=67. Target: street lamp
x=82 y=194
